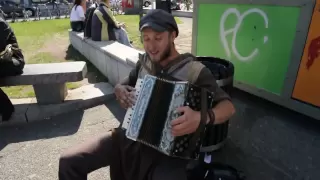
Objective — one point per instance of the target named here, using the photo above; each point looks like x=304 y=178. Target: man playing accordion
x=130 y=160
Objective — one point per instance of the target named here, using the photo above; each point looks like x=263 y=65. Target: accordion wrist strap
x=200 y=131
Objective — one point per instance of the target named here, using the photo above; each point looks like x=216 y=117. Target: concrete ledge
x=112 y=59
x=48 y=73
x=177 y=13
x=27 y=110
x=49 y=77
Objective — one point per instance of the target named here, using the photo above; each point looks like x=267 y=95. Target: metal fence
x=42 y=11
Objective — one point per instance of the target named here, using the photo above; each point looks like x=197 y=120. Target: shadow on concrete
x=45 y=129
x=268 y=142
x=117 y=111
x=255 y=108
x=93 y=75
x=265 y=141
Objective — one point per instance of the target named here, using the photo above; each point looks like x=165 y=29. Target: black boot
x=6 y=107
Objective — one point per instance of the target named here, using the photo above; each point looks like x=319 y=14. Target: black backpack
x=88 y=21
x=214 y=171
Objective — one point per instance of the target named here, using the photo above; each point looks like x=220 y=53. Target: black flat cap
x=159 y=20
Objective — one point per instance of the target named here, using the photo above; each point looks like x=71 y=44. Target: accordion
x=148 y=121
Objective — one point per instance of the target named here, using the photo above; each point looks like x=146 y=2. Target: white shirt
x=93 y=5
x=77 y=14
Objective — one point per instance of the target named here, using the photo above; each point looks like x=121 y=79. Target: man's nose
x=153 y=46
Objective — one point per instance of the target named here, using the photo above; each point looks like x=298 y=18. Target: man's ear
x=173 y=35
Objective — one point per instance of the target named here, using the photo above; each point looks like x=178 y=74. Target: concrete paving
x=184 y=39
x=270 y=142
x=267 y=142
x=31 y=151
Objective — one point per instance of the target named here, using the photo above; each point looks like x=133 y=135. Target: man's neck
x=173 y=55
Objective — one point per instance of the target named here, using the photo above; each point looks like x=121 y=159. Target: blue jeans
x=122 y=36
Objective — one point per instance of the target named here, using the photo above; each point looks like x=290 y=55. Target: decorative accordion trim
x=167 y=137
x=139 y=111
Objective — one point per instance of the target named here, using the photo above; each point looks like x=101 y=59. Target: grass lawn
x=47 y=41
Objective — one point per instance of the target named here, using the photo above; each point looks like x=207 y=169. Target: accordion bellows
x=149 y=120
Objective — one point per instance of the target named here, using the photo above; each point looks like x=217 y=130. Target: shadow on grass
x=93 y=75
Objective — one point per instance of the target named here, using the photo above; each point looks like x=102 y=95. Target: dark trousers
x=77 y=26
x=77 y=162
x=6 y=107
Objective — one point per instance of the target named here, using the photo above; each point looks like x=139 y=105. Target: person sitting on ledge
x=105 y=27
x=77 y=16
x=11 y=64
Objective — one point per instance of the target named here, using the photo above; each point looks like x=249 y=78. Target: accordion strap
x=143 y=61
x=194 y=71
x=194 y=67
x=203 y=118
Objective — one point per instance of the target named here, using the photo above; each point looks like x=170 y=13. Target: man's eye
x=158 y=39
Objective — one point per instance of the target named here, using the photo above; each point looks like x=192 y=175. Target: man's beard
x=164 y=55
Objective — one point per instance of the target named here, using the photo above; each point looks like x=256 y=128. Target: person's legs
x=122 y=36
x=77 y=162
x=6 y=107
x=77 y=26
x=170 y=169
x=82 y=25
x=73 y=26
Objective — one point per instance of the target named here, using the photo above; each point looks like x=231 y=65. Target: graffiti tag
x=225 y=32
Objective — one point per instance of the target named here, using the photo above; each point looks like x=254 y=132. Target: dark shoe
x=6 y=107
x=7 y=115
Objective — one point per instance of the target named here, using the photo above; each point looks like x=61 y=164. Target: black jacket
x=2 y=14
x=108 y=20
x=88 y=22
x=16 y=64
x=8 y=67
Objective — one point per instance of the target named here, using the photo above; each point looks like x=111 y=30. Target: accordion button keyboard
x=130 y=111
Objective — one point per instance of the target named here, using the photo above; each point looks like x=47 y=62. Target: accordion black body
x=148 y=121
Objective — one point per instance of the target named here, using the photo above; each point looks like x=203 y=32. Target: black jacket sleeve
x=16 y=65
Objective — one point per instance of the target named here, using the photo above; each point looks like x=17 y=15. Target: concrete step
x=27 y=110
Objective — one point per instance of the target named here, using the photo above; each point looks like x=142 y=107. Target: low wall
x=177 y=13
x=112 y=59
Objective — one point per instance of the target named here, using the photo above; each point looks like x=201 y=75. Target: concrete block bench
x=48 y=80
x=112 y=59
